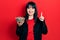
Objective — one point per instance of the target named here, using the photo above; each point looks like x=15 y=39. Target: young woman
x=32 y=27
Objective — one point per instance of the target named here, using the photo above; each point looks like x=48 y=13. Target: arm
x=44 y=27
x=18 y=30
x=20 y=22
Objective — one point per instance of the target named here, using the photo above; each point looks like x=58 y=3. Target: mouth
x=30 y=12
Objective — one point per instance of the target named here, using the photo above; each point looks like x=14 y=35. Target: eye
x=33 y=8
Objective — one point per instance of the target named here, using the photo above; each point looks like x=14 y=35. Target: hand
x=20 y=23
x=41 y=17
x=20 y=20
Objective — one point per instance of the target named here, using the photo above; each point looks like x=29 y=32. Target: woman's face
x=30 y=10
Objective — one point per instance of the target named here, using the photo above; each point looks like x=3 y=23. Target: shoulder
x=38 y=20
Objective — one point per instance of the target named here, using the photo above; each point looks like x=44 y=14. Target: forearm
x=44 y=28
x=18 y=30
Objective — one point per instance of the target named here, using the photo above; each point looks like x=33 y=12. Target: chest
x=31 y=26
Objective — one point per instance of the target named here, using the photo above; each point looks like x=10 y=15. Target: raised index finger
x=41 y=13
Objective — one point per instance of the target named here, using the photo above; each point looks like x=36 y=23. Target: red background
x=9 y=9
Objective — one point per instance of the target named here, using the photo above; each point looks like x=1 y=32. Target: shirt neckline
x=32 y=19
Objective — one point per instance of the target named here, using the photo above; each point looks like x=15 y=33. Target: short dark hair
x=33 y=6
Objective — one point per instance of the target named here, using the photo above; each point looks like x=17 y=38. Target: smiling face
x=30 y=10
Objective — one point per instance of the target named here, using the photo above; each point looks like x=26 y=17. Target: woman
x=32 y=27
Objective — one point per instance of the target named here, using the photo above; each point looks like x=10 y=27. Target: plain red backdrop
x=9 y=9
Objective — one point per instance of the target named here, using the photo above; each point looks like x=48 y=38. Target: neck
x=30 y=17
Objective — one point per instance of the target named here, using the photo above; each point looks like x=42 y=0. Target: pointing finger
x=41 y=13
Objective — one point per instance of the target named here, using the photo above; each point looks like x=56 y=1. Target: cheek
x=33 y=11
x=27 y=10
